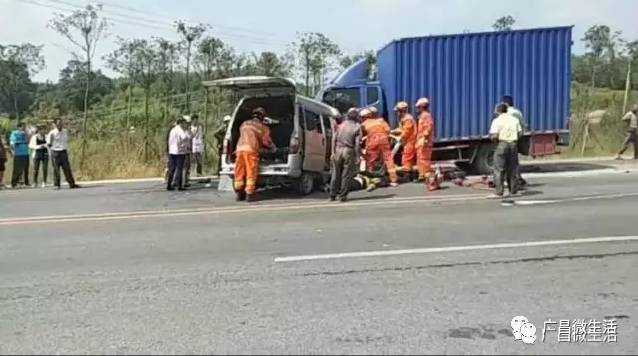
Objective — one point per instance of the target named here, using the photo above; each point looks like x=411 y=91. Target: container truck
x=465 y=76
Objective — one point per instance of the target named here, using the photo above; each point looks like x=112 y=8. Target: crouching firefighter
x=253 y=135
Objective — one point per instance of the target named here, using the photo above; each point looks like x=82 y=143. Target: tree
x=83 y=28
x=209 y=51
x=504 y=23
x=597 y=39
x=269 y=64
x=631 y=49
x=189 y=35
x=123 y=60
x=72 y=84
x=17 y=64
x=371 y=60
x=315 y=52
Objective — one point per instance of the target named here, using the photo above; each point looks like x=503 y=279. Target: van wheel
x=484 y=160
x=305 y=184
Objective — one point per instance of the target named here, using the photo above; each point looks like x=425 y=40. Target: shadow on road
x=531 y=167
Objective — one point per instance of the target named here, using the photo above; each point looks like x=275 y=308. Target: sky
x=260 y=25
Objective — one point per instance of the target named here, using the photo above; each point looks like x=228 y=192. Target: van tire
x=305 y=184
x=484 y=161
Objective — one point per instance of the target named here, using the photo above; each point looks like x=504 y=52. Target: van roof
x=318 y=106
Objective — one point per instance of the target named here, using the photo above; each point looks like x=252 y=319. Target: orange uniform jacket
x=253 y=135
x=408 y=138
x=377 y=133
x=425 y=143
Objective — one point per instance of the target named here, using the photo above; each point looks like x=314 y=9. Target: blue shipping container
x=466 y=75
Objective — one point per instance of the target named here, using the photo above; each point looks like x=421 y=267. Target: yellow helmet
x=365 y=112
x=373 y=110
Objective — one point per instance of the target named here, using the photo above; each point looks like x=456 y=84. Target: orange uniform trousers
x=246 y=171
x=380 y=148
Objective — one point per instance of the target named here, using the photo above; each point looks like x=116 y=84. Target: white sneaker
x=34 y=185
x=43 y=185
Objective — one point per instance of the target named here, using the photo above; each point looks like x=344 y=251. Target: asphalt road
x=130 y=268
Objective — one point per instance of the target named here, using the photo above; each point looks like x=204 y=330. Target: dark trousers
x=630 y=139
x=506 y=167
x=343 y=171
x=37 y=162
x=20 y=169
x=175 y=171
x=61 y=160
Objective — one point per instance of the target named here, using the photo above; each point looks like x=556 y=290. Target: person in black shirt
x=38 y=145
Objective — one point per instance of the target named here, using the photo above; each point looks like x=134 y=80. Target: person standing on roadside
x=177 y=149
x=512 y=110
x=188 y=144
x=505 y=132
x=197 y=145
x=19 y=142
x=38 y=145
x=631 y=118
x=58 y=142
x=346 y=146
x=3 y=158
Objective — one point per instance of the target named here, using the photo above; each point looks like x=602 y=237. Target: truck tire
x=484 y=160
x=305 y=184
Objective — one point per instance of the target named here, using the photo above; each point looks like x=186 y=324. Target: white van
x=301 y=128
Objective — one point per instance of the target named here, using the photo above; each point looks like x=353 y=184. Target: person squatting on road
x=178 y=141
x=253 y=135
x=632 y=135
x=38 y=145
x=512 y=110
x=505 y=131
x=346 y=152
x=58 y=142
x=19 y=141
x=425 y=144
x=407 y=130
x=376 y=132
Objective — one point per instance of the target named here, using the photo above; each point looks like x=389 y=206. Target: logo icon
x=523 y=330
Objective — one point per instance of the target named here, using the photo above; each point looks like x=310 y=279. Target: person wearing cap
x=505 y=131
x=407 y=130
x=425 y=144
x=346 y=146
x=376 y=132
x=177 y=150
x=253 y=135
x=631 y=119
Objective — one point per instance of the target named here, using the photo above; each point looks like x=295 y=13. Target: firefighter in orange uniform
x=425 y=144
x=253 y=135
x=377 y=140
x=407 y=130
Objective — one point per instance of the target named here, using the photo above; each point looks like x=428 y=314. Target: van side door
x=327 y=125
x=314 y=143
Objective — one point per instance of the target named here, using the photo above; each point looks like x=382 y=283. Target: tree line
x=159 y=78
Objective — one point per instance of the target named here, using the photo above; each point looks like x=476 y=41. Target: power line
x=145 y=21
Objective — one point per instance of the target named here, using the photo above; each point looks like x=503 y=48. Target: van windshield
x=343 y=98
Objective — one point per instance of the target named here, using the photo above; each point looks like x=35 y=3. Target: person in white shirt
x=40 y=152
x=177 y=150
x=505 y=131
x=58 y=142
x=198 y=144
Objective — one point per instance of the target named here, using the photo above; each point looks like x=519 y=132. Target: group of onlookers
x=185 y=149
x=37 y=147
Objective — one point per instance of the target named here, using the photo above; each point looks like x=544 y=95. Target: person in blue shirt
x=19 y=142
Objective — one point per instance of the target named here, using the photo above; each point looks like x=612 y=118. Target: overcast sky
x=257 y=25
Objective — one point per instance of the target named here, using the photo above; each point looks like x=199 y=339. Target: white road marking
x=572 y=199
x=454 y=248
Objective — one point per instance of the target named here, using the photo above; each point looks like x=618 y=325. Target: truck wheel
x=484 y=160
x=305 y=184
